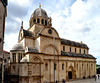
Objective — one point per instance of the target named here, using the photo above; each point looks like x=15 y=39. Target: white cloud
x=75 y=20
x=24 y=3
x=10 y=41
x=81 y=22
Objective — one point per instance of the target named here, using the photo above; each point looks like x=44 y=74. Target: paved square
x=92 y=80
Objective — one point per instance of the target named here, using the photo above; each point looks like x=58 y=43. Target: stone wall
x=2 y=20
x=67 y=49
x=70 y=65
x=47 y=45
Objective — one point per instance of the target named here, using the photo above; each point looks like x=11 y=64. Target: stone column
x=67 y=71
x=80 y=69
x=40 y=20
x=95 y=68
x=42 y=72
x=74 y=70
x=49 y=70
x=17 y=57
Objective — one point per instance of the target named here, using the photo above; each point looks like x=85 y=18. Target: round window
x=50 y=31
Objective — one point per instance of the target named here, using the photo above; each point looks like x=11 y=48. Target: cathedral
x=42 y=56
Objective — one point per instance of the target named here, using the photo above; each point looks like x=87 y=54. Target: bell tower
x=3 y=14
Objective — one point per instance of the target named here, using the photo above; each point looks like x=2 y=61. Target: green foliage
x=98 y=70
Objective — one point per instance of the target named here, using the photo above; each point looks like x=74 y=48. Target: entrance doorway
x=69 y=75
x=36 y=80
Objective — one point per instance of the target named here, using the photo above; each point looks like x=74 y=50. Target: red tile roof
x=6 y=52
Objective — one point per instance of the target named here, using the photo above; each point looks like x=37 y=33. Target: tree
x=98 y=70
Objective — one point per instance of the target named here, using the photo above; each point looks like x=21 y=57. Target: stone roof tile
x=39 y=12
x=73 y=43
x=32 y=50
x=76 y=55
x=27 y=33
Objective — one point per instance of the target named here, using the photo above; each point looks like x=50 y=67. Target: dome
x=39 y=12
x=24 y=59
x=18 y=46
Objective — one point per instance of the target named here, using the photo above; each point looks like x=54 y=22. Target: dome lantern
x=39 y=5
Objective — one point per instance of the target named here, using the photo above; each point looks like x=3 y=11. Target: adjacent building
x=40 y=51
x=3 y=14
x=6 y=60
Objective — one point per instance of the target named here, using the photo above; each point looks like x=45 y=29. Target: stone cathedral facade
x=32 y=58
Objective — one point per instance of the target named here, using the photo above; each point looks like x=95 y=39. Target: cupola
x=39 y=16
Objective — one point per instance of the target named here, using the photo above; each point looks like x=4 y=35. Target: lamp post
x=54 y=52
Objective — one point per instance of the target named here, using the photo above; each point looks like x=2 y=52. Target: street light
x=54 y=52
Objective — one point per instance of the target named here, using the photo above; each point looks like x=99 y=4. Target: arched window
x=63 y=48
x=14 y=57
x=87 y=66
x=38 y=20
x=75 y=50
x=77 y=66
x=34 y=20
x=46 y=66
x=42 y=21
x=5 y=60
x=70 y=49
x=82 y=66
x=19 y=58
x=62 y=66
x=80 y=50
x=91 y=66
x=45 y=22
x=55 y=66
x=84 y=51
x=0 y=40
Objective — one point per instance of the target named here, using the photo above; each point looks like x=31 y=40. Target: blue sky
x=76 y=20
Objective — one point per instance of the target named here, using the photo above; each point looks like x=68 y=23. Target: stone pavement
x=91 y=80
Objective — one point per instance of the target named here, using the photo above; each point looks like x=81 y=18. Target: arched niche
x=36 y=65
x=52 y=33
x=36 y=59
x=49 y=49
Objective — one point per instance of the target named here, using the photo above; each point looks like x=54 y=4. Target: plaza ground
x=91 y=80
